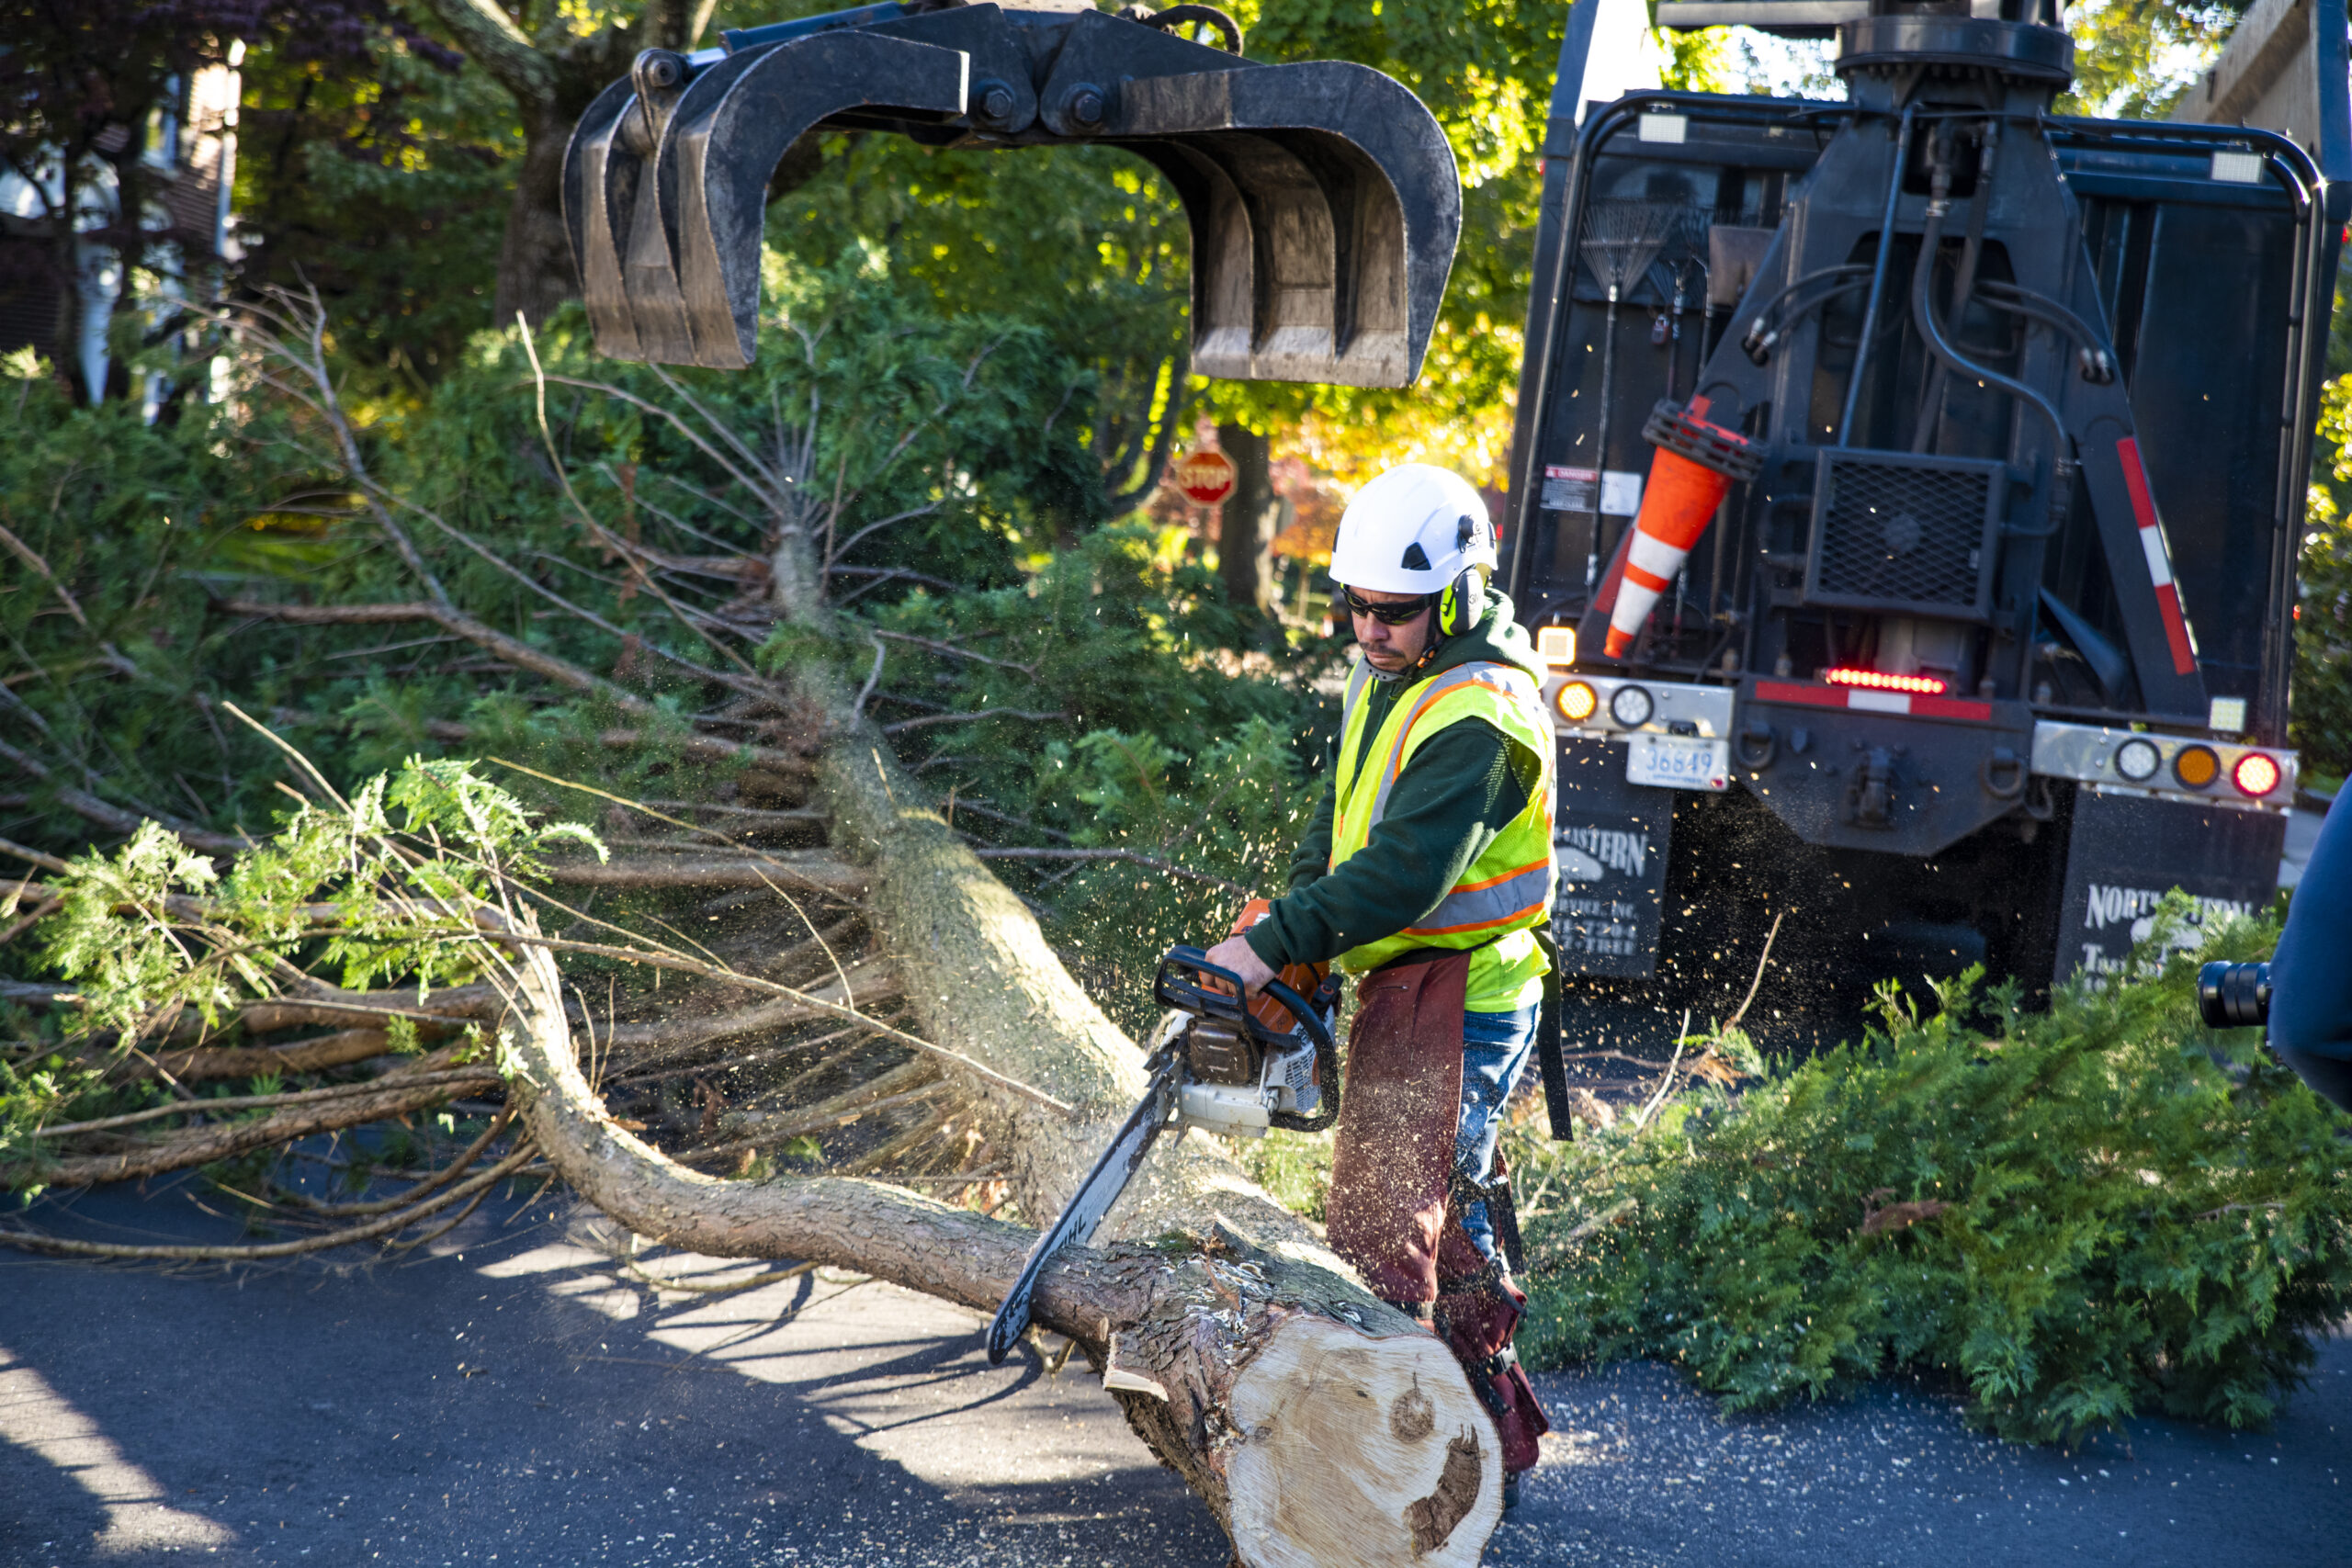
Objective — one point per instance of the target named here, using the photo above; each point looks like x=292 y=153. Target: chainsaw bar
x=1112 y=1172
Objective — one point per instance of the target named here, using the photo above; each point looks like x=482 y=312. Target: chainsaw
x=1220 y=1063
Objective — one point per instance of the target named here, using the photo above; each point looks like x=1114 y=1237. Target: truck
x=1985 y=643
x=1906 y=488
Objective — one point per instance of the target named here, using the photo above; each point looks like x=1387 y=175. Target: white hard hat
x=1412 y=530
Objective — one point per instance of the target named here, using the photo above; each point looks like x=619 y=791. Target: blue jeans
x=1495 y=1050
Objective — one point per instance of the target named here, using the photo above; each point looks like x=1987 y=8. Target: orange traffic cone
x=1695 y=465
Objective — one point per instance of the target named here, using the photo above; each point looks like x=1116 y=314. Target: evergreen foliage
x=2073 y=1216
x=378 y=889
x=952 y=452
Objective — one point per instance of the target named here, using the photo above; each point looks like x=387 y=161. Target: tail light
x=1917 y=685
x=2138 y=759
x=1577 y=701
x=1632 y=707
x=2256 y=775
x=2196 y=766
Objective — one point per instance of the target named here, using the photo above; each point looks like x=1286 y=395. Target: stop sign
x=1205 y=477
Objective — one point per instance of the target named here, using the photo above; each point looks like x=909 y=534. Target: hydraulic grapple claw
x=1322 y=198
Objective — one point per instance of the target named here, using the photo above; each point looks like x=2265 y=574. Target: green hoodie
x=1459 y=791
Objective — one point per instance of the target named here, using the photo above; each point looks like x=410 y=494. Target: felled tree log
x=982 y=980
x=1323 y=1429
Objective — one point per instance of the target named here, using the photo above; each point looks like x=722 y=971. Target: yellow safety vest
x=1507 y=891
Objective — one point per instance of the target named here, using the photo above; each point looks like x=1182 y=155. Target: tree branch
x=816 y=873
x=488 y=36
x=202 y=1063
x=929 y=719
x=115 y=819
x=206 y=1144
x=953 y=651
x=58 y=1246
x=1167 y=867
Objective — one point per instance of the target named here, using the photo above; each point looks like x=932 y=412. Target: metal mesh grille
x=1898 y=534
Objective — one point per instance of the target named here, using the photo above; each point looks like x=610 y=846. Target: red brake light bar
x=1917 y=685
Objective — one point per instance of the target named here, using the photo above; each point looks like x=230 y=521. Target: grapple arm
x=1322 y=198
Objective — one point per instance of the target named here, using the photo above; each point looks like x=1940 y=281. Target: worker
x=1426 y=872
x=2310 y=985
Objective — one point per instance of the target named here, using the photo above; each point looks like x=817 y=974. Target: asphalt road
x=516 y=1399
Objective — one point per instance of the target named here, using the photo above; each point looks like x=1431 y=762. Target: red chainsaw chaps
x=1478 y=1321
x=1392 y=1161
x=1392 y=1176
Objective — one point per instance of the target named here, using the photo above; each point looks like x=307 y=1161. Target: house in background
x=189 y=155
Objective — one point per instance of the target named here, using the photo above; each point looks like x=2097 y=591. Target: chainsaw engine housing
x=1235 y=1084
x=1239 y=1071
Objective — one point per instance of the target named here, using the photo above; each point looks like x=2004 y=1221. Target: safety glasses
x=1387 y=615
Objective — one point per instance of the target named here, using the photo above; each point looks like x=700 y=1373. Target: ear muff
x=1462 y=603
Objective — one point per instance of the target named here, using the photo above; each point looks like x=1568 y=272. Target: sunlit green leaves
x=386 y=886
x=126 y=965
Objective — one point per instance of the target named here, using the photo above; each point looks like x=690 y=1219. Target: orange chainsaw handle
x=1304 y=979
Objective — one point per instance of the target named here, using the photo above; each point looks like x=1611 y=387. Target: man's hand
x=1235 y=955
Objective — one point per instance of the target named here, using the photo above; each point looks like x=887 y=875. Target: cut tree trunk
x=982 y=980
x=1323 y=1429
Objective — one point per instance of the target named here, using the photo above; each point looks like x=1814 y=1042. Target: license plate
x=1675 y=761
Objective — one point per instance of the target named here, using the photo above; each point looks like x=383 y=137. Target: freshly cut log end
x=1351 y=1449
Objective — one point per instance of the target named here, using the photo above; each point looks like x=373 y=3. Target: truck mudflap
x=1609 y=842
x=1322 y=196
x=2125 y=852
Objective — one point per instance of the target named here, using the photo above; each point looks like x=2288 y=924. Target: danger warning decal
x=2151 y=543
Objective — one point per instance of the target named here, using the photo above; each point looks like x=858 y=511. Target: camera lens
x=2234 y=996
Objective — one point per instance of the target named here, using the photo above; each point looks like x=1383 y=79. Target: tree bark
x=1244 y=542
x=1322 y=1427
x=983 y=981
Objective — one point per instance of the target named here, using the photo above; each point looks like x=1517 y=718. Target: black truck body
x=1994 y=647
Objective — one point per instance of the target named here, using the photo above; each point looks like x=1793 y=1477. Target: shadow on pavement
x=518 y=1398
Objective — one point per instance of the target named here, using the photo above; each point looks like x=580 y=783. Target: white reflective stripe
x=1529 y=889
x=1654 y=555
x=1634 y=602
x=1357 y=679
x=1461 y=675
x=2152 y=545
x=1878 y=702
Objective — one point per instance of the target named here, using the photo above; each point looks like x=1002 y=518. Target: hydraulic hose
x=1878 y=278
x=2099 y=366
x=1931 y=407
x=1759 y=346
x=2061 y=468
